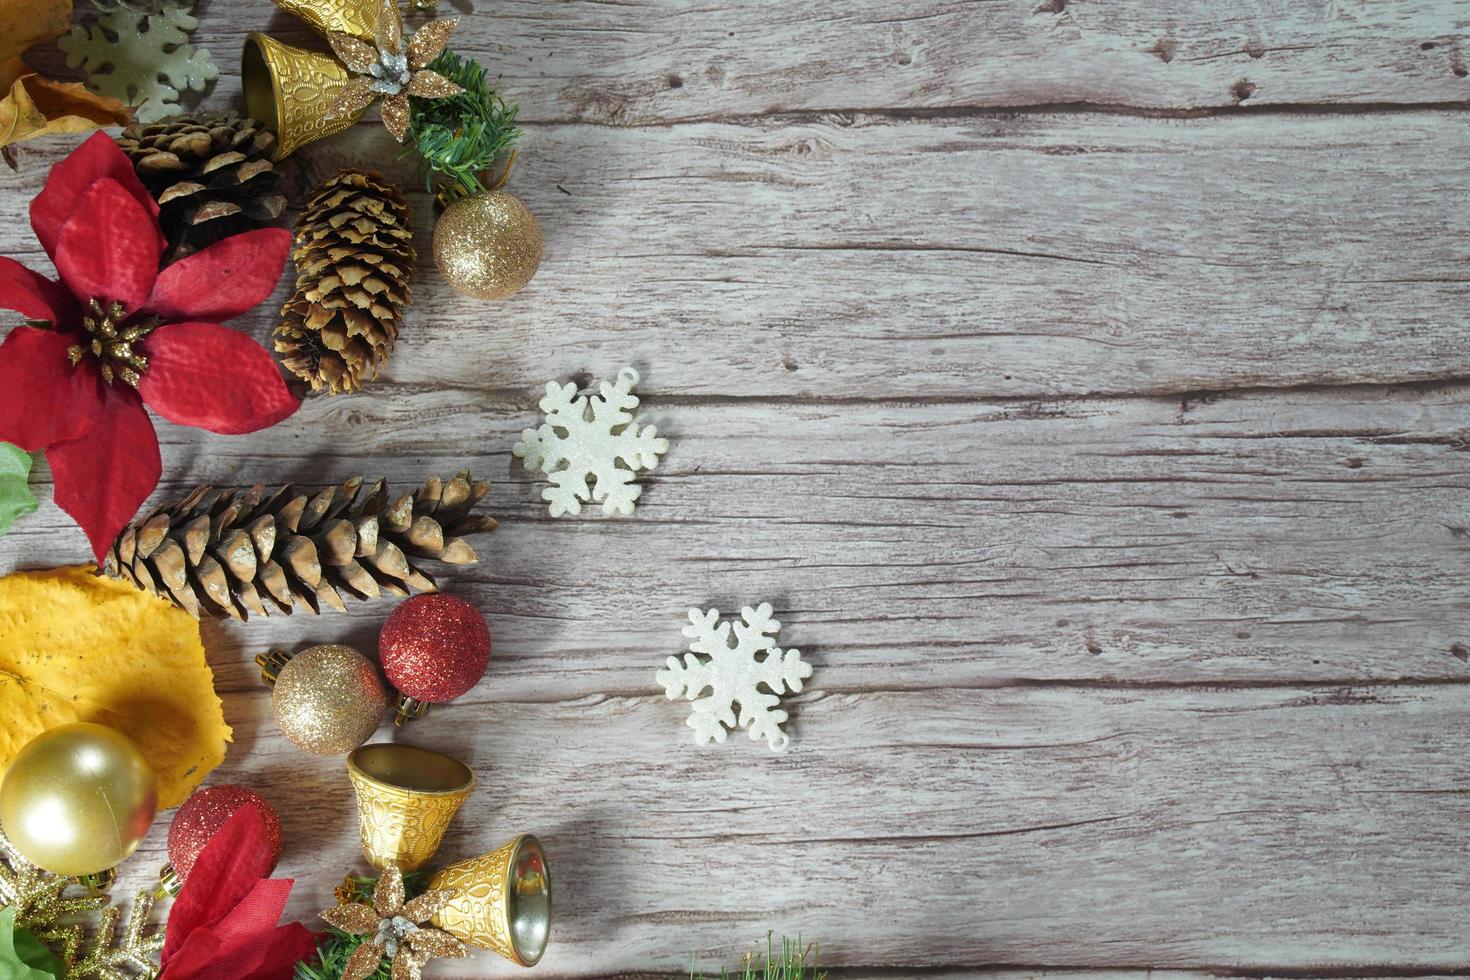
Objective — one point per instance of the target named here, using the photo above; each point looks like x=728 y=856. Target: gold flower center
x=112 y=336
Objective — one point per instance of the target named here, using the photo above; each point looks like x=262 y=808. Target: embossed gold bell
x=290 y=89
x=502 y=901
x=406 y=797
x=356 y=17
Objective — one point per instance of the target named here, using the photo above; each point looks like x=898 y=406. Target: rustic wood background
x=1084 y=382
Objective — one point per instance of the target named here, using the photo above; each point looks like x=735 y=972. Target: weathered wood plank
x=1265 y=538
x=958 y=258
x=654 y=61
x=1312 y=829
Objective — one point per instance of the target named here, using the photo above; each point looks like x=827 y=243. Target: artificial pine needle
x=461 y=138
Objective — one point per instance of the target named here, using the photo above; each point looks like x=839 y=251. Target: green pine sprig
x=461 y=138
x=796 y=961
x=338 y=946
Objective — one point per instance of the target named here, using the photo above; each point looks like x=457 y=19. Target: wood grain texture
x=1252 y=539
x=650 y=62
x=1085 y=384
x=1072 y=827
x=1033 y=256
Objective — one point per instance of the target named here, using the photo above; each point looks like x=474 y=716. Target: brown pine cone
x=211 y=174
x=231 y=553
x=354 y=257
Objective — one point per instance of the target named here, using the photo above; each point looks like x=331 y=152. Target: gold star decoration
x=396 y=928
x=393 y=69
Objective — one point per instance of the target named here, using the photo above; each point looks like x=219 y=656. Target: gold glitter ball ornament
x=487 y=246
x=328 y=699
x=78 y=799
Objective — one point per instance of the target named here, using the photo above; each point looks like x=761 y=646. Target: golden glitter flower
x=393 y=69
x=396 y=928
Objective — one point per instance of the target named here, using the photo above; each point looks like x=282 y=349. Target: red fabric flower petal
x=288 y=945
x=109 y=249
x=236 y=857
x=43 y=399
x=206 y=375
x=223 y=925
x=224 y=280
x=34 y=296
x=103 y=477
x=96 y=158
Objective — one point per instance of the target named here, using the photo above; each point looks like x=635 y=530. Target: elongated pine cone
x=354 y=257
x=211 y=173
x=230 y=553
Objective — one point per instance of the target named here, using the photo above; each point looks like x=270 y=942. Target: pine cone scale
x=211 y=174
x=225 y=553
x=354 y=258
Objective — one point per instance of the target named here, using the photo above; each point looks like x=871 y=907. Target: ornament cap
x=98 y=881
x=271 y=663
x=408 y=709
x=169 y=882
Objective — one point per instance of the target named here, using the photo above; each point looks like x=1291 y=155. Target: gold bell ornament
x=328 y=699
x=304 y=95
x=406 y=797
x=501 y=902
x=77 y=800
x=288 y=88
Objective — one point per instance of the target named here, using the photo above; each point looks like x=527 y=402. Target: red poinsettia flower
x=223 y=925
x=116 y=333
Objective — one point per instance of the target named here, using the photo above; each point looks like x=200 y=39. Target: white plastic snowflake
x=734 y=675
x=152 y=59
x=585 y=438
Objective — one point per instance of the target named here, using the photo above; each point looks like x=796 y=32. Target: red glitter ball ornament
x=204 y=813
x=434 y=647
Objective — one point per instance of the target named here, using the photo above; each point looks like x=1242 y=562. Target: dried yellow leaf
x=33 y=105
x=37 y=106
x=78 y=647
x=24 y=23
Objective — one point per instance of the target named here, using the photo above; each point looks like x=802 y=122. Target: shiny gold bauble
x=329 y=699
x=78 y=799
x=487 y=246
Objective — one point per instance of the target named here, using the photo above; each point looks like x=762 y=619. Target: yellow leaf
x=24 y=23
x=77 y=647
x=37 y=106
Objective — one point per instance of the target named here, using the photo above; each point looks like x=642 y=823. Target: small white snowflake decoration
x=735 y=675
x=149 y=54
x=583 y=441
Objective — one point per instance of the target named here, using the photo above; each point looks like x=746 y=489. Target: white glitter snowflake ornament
x=148 y=52
x=584 y=440
x=735 y=675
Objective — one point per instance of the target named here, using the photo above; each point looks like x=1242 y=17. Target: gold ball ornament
x=487 y=245
x=78 y=799
x=329 y=699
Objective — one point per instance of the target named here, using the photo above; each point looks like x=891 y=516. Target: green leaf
x=22 y=955
x=15 y=496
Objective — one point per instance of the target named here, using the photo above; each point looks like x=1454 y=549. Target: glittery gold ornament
x=394 y=929
x=54 y=910
x=78 y=799
x=328 y=699
x=487 y=245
